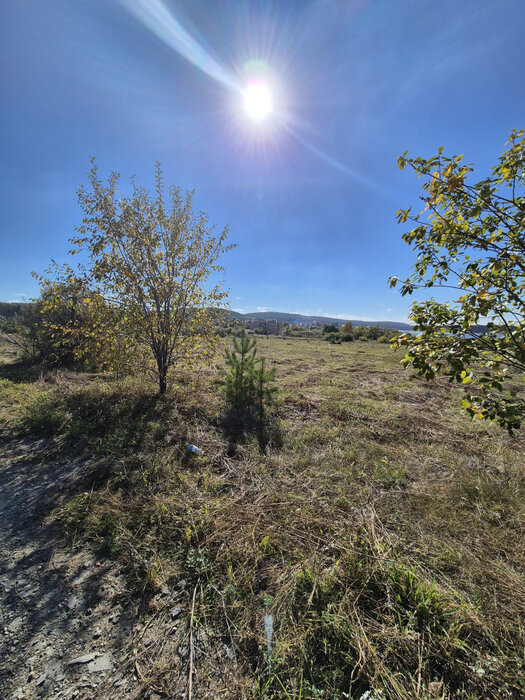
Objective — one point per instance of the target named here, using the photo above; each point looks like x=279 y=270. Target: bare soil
x=72 y=627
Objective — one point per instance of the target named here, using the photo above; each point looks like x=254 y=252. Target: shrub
x=330 y=328
x=334 y=338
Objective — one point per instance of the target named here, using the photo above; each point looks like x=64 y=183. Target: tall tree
x=152 y=257
x=470 y=239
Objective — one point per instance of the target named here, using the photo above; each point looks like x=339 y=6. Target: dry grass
x=380 y=527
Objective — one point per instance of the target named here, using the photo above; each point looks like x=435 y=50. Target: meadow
x=378 y=528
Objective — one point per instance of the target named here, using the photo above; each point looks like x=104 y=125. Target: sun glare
x=258 y=100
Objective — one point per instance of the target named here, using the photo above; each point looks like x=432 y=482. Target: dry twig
x=190 y=671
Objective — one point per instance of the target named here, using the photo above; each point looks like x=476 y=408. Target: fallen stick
x=190 y=671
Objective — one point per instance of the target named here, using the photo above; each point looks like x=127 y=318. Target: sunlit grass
x=380 y=530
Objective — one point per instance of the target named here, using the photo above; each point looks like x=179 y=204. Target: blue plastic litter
x=195 y=450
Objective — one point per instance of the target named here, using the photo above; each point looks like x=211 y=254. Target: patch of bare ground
x=73 y=625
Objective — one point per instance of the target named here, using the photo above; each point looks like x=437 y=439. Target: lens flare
x=156 y=15
x=257 y=94
x=258 y=101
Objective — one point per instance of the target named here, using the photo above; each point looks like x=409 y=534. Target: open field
x=379 y=527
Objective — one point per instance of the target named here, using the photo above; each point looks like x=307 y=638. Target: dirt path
x=71 y=626
x=57 y=605
x=66 y=618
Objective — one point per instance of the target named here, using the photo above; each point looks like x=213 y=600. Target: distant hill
x=10 y=309
x=286 y=317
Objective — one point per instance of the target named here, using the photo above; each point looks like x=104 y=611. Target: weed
x=389 y=475
x=152 y=575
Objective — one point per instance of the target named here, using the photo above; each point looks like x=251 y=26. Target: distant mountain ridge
x=287 y=317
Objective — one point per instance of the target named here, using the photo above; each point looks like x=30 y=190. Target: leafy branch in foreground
x=470 y=238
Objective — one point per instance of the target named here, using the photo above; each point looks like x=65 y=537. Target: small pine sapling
x=247 y=380
x=240 y=377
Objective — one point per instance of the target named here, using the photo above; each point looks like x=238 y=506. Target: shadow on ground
x=238 y=427
x=20 y=371
x=73 y=625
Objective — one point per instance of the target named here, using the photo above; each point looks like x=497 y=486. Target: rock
x=228 y=652
x=73 y=602
x=39 y=644
x=202 y=636
x=175 y=612
x=83 y=576
x=102 y=663
x=86 y=658
x=45 y=599
x=41 y=679
x=97 y=632
x=15 y=624
x=53 y=668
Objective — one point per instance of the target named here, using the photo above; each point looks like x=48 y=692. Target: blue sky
x=310 y=193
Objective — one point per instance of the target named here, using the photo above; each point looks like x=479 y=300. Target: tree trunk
x=162 y=371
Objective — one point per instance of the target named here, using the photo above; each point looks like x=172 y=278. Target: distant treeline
x=310 y=321
x=347 y=333
x=14 y=309
x=10 y=309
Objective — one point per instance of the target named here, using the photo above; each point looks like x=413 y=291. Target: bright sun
x=258 y=100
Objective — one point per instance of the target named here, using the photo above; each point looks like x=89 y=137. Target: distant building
x=270 y=326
